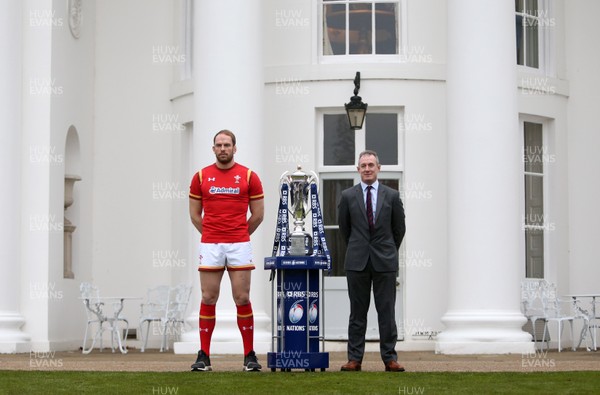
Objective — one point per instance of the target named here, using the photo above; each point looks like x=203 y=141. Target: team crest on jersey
x=237 y=178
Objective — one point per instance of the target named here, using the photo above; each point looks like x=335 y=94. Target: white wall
x=73 y=71
x=139 y=193
x=583 y=63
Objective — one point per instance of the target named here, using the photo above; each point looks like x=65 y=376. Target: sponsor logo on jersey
x=224 y=190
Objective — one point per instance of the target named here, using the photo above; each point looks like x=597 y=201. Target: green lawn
x=297 y=382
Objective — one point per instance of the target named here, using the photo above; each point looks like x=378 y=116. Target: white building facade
x=483 y=116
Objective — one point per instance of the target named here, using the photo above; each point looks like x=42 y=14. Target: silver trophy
x=299 y=186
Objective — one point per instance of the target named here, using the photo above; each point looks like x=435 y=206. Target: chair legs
x=559 y=329
x=97 y=337
x=560 y=326
x=83 y=349
x=172 y=325
x=544 y=335
x=586 y=329
x=533 y=321
x=572 y=337
x=145 y=338
x=115 y=333
x=113 y=327
x=163 y=341
x=592 y=327
x=165 y=327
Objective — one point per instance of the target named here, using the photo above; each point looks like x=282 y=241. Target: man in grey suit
x=371 y=220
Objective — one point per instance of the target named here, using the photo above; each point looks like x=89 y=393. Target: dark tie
x=370 y=210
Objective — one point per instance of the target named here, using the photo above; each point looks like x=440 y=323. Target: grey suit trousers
x=359 y=282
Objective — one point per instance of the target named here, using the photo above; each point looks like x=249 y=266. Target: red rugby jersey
x=225 y=195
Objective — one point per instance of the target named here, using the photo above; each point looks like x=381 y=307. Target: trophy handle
x=314 y=178
x=282 y=180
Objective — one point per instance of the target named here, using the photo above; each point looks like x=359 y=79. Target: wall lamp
x=356 y=109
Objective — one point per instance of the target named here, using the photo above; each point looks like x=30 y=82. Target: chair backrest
x=157 y=302
x=178 y=301
x=90 y=294
x=532 y=291
x=552 y=304
x=540 y=298
x=89 y=291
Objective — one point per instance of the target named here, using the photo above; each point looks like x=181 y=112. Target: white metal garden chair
x=103 y=320
x=166 y=306
x=178 y=302
x=154 y=309
x=555 y=311
x=531 y=304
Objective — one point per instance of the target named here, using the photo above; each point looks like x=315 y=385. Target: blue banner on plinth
x=298 y=360
x=296 y=262
x=298 y=308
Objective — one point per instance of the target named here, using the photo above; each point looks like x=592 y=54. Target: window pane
x=528 y=39
x=334 y=29
x=520 y=45
x=532 y=7
x=534 y=221
x=332 y=192
x=386 y=29
x=382 y=137
x=532 y=44
x=519 y=5
x=338 y=141
x=348 y=28
x=392 y=183
x=337 y=249
x=533 y=154
x=534 y=200
x=534 y=253
x=361 y=28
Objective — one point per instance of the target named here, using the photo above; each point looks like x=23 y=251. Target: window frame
x=545 y=175
x=360 y=141
x=339 y=172
x=545 y=39
x=362 y=58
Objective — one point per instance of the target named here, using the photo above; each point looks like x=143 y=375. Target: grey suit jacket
x=382 y=247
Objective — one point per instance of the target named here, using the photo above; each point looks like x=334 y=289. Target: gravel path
x=427 y=361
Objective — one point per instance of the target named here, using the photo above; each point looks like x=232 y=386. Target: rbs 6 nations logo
x=313 y=312
x=296 y=312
